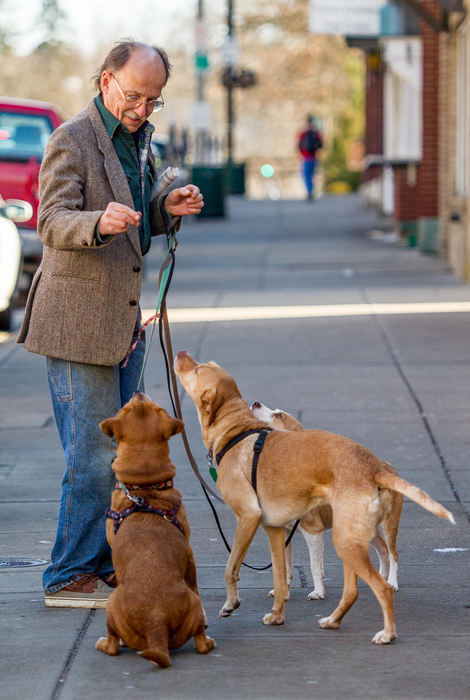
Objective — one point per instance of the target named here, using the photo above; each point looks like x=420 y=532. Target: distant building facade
x=416 y=164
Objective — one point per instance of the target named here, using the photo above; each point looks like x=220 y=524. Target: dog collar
x=159 y=486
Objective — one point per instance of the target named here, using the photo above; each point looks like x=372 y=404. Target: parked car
x=25 y=127
x=10 y=254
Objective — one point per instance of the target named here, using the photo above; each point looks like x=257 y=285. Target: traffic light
x=238 y=78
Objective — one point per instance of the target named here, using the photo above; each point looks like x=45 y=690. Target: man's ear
x=109 y=426
x=211 y=401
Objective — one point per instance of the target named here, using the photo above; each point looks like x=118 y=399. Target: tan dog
x=156 y=605
x=297 y=471
x=320 y=518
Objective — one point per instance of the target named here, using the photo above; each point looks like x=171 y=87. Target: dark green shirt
x=128 y=148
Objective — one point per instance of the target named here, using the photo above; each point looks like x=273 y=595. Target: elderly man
x=96 y=221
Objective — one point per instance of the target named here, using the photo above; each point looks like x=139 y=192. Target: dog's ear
x=211 y=401
x=109 y=426
x=177 y=426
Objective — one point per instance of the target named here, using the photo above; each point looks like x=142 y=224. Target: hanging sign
x=360 y=18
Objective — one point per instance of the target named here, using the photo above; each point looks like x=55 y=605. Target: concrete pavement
x=396 y=379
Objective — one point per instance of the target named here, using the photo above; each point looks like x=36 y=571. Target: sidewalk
x=396 y=381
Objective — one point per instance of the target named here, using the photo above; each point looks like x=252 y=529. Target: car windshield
x=23 y=135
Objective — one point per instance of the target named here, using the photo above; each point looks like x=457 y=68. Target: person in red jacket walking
x=309 y=142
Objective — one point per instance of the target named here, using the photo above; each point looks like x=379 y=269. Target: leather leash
x=164 y=328
x=167 y=349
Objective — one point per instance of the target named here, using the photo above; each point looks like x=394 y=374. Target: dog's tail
x=159 y=657
x=395 y=483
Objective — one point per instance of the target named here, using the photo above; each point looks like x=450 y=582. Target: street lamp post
x=230 y=114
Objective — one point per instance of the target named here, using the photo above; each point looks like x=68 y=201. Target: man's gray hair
x=121 y=53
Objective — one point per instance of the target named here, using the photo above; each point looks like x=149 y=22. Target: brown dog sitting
x=156 y=605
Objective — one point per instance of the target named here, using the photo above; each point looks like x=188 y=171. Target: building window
x=402 y=98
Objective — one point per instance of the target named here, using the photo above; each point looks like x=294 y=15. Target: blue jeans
x=82 y=396
x=308 y=170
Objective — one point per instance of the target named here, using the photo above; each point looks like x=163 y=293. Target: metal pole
x=199 y=136
x=230 y=106
x=200 y=76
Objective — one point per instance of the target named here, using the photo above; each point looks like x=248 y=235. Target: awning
x=437 y=25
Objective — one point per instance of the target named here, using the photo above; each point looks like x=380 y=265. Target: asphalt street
x=315 y=311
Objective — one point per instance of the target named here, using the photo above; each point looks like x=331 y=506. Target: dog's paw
x=108 y=645
x=100 y=643
x=203 y=643
x=210 y=644
x=383 y=637
x=228 y=609
x=316 y=595
x=327 y=623
x=273 y=618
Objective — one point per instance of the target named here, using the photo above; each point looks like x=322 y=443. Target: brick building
x=417 y=122
x=454 y=159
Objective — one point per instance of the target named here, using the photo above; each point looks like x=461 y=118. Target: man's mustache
x=132 y=115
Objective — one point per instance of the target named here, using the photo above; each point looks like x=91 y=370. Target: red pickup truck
x=25 y=126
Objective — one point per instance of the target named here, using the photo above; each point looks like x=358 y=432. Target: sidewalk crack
x=71 y=655
x=419 y=406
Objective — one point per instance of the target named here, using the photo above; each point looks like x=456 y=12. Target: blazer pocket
x=68 y=276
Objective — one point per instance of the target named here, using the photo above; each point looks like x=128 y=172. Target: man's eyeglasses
x=136 y=100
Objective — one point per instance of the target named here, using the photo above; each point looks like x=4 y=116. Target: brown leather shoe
x=85 y=591
x=111 y=581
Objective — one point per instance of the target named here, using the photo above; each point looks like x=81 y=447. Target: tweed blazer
x=84 y=298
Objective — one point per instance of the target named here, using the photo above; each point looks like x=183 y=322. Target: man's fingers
x=117 y=218
x=122 y=210
x=123 y=213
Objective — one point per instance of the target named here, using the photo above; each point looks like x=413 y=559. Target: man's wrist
x=172 y=223
x=101 y=239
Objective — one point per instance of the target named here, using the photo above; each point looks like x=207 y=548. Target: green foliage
x=51 y=18
x=348 y=127
x=5 y=32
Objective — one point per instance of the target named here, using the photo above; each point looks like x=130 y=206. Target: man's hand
x=116 y=218
x=184 y=201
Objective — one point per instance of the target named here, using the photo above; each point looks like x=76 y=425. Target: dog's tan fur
x=297 y=471
x=320 y=518
x=156 y=605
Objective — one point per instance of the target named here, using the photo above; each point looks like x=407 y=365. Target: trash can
x=211 y=182
x=235 y=178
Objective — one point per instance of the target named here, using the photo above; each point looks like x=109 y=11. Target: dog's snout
x=139 y=396
x=255 y=404
x=184 y=362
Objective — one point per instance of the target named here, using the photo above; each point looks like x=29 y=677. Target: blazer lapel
x=114 y=170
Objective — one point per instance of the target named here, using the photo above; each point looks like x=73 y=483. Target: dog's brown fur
x=320 y=518
x=156 y=605
x=297 y=471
